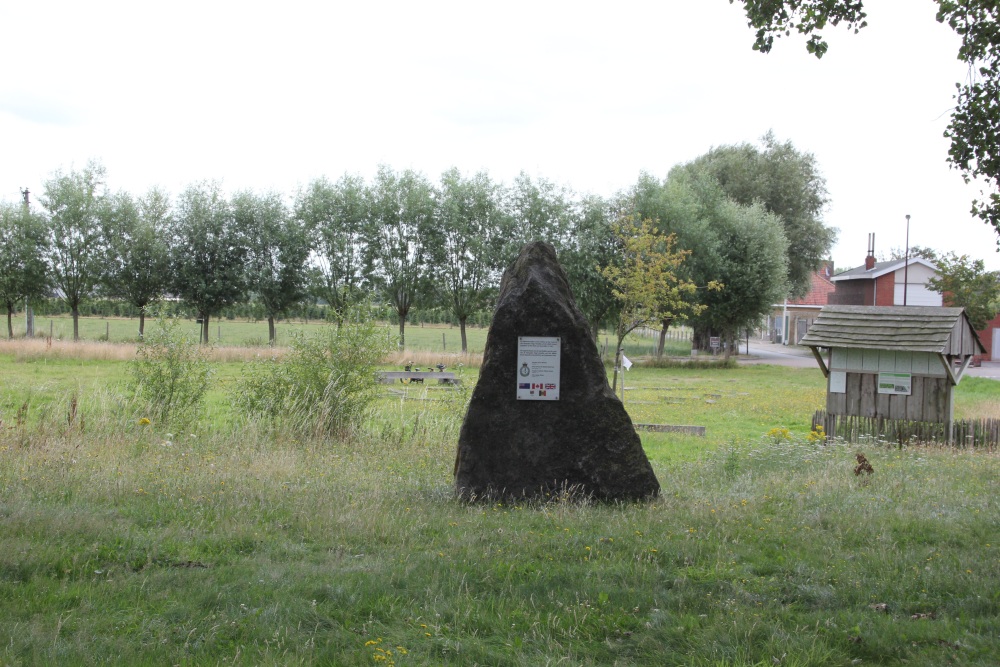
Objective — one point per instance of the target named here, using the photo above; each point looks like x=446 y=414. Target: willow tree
x=74 y=203
x=23 y=271
x=401 y=209
x=592 y=245
x=278 y=250
x=208 y=252
x=750 y=262
x=467 y=240
x=137 y=249
x=335 y=214
x=787 y=182
x=538 y=210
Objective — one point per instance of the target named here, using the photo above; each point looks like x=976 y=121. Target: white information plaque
x=894 y=383
x=538 y=368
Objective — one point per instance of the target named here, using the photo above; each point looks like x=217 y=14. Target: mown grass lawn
x=124 y=543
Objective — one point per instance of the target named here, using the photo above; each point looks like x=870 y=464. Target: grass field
x=124 y=543
x=242 y=332
x=436 y=338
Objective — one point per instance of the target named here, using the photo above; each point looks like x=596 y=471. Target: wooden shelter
x=893 y=362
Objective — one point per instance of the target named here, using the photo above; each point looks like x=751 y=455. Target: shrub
x=170 y=373
x=324 y=384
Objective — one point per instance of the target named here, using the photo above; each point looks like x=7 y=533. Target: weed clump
x=324 y=384
x=779 y=434
x=170 y=374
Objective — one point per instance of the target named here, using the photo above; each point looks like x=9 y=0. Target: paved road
x=762 y=352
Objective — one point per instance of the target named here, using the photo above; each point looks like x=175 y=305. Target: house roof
x=933 y=329
x=880 y=269
x=819 y=288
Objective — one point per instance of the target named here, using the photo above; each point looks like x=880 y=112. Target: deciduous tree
x=335 y=215
x=539 y=210
x=401 y=209
x=278 y=249
x=974 y=129
x=73 y=201
x=136 y=263
x=23 y=271
x=466 y=242
x=965 y=282
x=751 y=252
x=680 y=206
x=787 y=182
x=646 y=283
x=208 y=252
x=914 y=251
x=591 y=246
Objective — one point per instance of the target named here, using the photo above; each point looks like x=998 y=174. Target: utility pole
x=906 y=264
x=29 y=316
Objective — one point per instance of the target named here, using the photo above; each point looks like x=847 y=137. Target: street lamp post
x=906 y=263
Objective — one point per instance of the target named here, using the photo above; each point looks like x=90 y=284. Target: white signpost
x=538 y=368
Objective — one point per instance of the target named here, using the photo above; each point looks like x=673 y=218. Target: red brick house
x=898 y=282
x=794 y=316
x=990 y=338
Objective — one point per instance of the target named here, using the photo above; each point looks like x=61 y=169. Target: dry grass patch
x=31 y=349
x=427 y=359
x=988 y=409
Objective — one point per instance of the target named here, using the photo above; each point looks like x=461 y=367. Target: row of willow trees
x=748 y=215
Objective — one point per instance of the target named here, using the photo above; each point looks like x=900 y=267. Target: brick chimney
x=870 y=259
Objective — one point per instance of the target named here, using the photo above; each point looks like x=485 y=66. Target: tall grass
x=124 y=543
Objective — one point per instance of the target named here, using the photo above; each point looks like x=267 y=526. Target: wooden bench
x=406 y=377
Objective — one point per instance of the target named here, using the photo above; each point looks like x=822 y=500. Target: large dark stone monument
x=543 y=419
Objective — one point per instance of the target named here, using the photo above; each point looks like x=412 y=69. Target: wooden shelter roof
x=945 y=331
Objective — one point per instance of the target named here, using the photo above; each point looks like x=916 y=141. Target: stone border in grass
x=667 y=428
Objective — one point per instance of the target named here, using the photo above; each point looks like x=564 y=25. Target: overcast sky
x=587 y=94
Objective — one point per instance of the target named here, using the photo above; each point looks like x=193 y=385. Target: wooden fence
x=968 y=433
x=673 y=333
